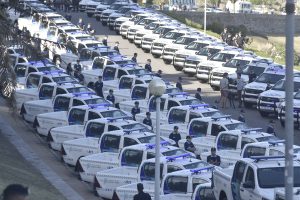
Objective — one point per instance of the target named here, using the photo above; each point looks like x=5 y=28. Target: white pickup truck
x=254 y=178
x=62 y=102
x=110 y=142
x=280 y=194
x=230 y=144
x=181 y=114
x=146 y=174
x=92 y=128
x=167 y=102
x=185 y=184
x=296 y=105
x=90 y=165
x=47 y=91
x=76 y=115
x=205 y=130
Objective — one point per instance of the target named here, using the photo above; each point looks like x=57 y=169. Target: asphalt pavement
x=190 y=84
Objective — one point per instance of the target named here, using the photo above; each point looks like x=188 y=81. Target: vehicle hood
x=151 y=36
x=224 y=69
x=212 y=64
x=114 y=14
x=108 y=11
x=186 y=52
x=123 y=19
x=197 y=58
x=174 y=46
x=163 y=41
x=273 y=94
x=92 y=3
x=85 y=2
x=256 y=86
x=126 y=23
x=136 y=27
x=144 y=31
x=103 y=6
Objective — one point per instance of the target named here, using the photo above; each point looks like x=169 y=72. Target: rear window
x=132 y=157
x=110 y=143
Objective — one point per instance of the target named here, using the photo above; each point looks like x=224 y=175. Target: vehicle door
x=253 y=151
x=33 y=80
x=46 y=92
x=61 y=103
x=227 y=142
x=237 y=178
x=109 y=73
x=125 y=83
x=247 y=188
x=198 y=128
x=172 y=103
x=139 y=92
x=216 y=129
x=76 y=116
x=177 y=115
x=95 y=129
x=132 y=157
x=20 y=70
x=120 y=73
x=110 y=143
x=98 y=63
x=204 y=193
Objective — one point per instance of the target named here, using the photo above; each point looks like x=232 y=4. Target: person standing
x=252 y=76
x=179 y=83
x=99 y=86
x=224 y=35
x=270 y=128
x=81 y=24
x=148 y=120
x=78 y=66
x=141 y=195
x=239 y=86
x=134 y=58
x=188 y=145
x=224 y=90
x=15 y=192
x=213 y=158
x=198 y=94
x=135 y=110
x=104 y=40
x=175 y=135
x=110 y=97
x=116 y=47
x=148 y=65
x=242 y=116
x=240 y=40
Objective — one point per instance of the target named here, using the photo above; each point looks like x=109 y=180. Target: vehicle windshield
x=71 y=30
x=63 y=79
x=276 y=180
x=115 y=6
x=196 y=165
x=149 y=139
x=158 y=30
x=222 y=57
x=280 y=86
x=190 y=102
x=236 y=126
x=172 y=35
x=94 y=45
x=257 y=70
x=135 y=126
x=174 y=152
x=113 y=114
x=151 y=26
x=172 y=90
x=137 y=71
x=95 y=101
x=269 y=78
x=48 y=68
x=196 y=46
x=267 y=138
x=212 y=114
x=124 y=62
x=208 y=52
x=78 y=89
x=234 y=63
x=297 y=96
x=184 y=40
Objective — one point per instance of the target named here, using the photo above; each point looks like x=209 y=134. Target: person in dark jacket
x=270 y=128
x=148 y=65
x=252 y=76
x=116 y=47
x=135 y=110
x=179 y=83
x=104 y=40
x=15 y=192
x=99 y=86
x=141 y=195
x=198 y=94
x=148 y=120
x=188 y=145
x=159 y=73
x=175 y=135
x=110 y=97
x=213 y=159
x=134 y=58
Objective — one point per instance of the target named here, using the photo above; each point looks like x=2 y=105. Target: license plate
x=266 y=108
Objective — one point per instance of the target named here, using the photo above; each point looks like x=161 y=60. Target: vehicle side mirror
x=248 y=184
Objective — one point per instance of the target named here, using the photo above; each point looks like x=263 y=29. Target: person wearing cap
x=213 y=158
x=148 y=65
x=179 y=83
x=116 y=47
x=99 y=86
x=141 y=195
x=15 y=192
x=110 y=97
x=242 y=116
x=148 y=120
x=270 y=128
x=135 y=110
x=175 y=135
x=198 y=94
x=134 y=58
x=188 y=145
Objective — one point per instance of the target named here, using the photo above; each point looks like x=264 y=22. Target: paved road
x=190 y=84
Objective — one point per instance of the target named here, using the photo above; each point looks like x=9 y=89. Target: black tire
x=178 y=68
x=215 y=88
x=111 y=28
x=155 y=55
x=124 y=37
x=202 y=81
x=247 y=105
x=130 y=40
x=168 y=62
x=146 y=50
x=104 y=23
x=263 y=114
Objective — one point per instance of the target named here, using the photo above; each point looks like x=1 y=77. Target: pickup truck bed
x=112 y=178
x=64 y=133
x=47 y=121
x=33 y=108
x=126 y=192
x=25 y=95
x=100 y=162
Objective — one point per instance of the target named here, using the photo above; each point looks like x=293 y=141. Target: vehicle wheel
x=247 y=105
x=203 y=81
x=111 y=28
x=104 y=23
x=89 y=14
x=155 y=55
x=167 y=62
x=146 y=50
x=98 y=18
x=130 y=40
x=223 y=196
x=138 y=45
x=178 y=68
x=123 y=37
x=215 y=88
x=117 y=32
x=263 y=114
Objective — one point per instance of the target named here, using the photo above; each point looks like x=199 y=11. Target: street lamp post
x=204 y=24
x=157 y=88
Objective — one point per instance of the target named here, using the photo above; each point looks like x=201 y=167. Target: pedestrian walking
x=110 y=97
x=175 y=136
x=99 y=86
x=141 y=195
x=240 y=83
x=224 y=35
x=104 y=40
x=271 y=128
x=134 y=58
x=81 y=24
x=213 y=158
x=15 y=192
x=242 y=116
x=135 y=110
x=148 y=65
x=179 y=83
x=224 y=90
x=252 y=76
x=198 y=94
x=116 y=47
x=148 y=120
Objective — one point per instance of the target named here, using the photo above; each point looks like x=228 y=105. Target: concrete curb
x=26 y=151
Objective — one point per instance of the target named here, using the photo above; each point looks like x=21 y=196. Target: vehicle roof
x=51 y=74
x=275 y=146
x=81 y=96
x=269 y=163
x=206 y=173
x=78 y=33
x=274 y=70
x=179 y=161
x=247 y=133
x=64 y=85
x=194 y=109
x=142 y=77
x=133 y=134
x=97 y=108
x=223 y=121
x=151 y=147
x=118 y=122
x=91 y=41
x=247 y=57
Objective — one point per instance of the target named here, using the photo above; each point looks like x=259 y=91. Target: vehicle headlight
x=20 y=86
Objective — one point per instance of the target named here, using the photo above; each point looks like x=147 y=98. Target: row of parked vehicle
x=114 y=152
